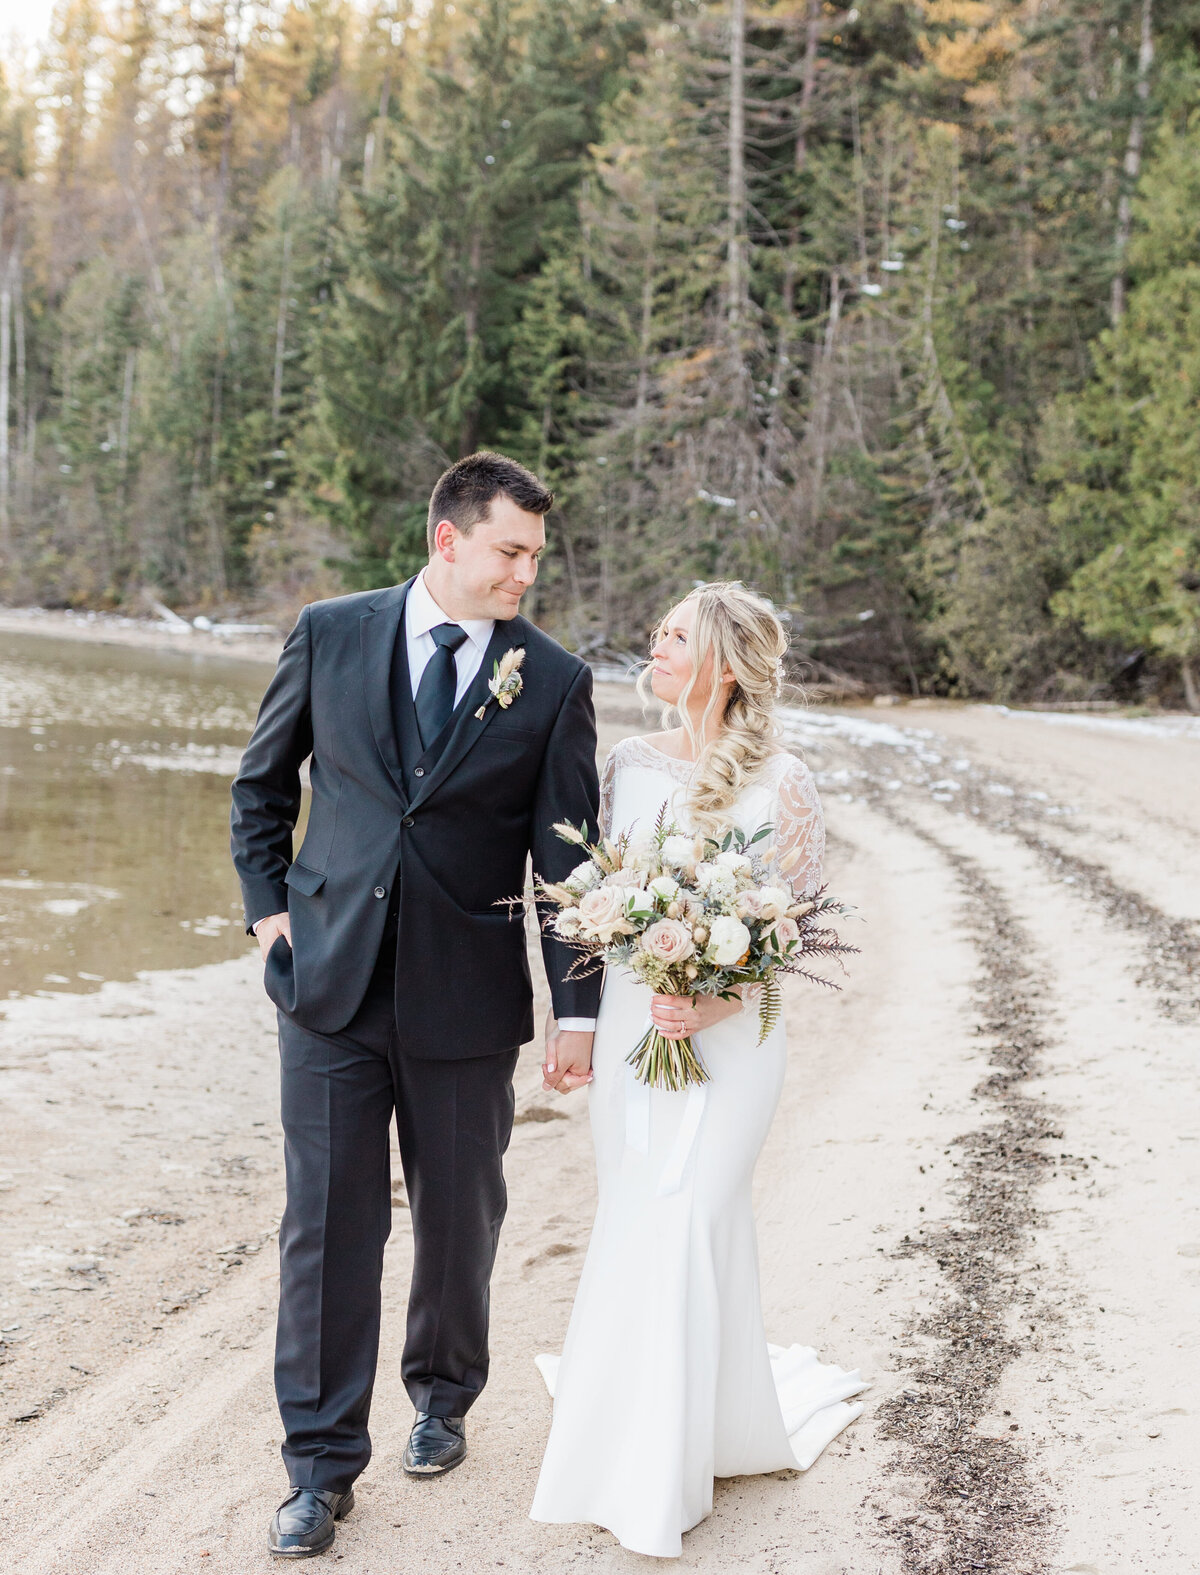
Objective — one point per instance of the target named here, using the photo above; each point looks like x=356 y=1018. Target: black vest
x=414 y=757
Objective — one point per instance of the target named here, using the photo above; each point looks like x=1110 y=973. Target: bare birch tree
x=1132 y=163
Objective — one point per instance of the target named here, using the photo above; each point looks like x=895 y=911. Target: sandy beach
x=981 y=1188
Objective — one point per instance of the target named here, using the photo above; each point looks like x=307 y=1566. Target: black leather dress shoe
x=302 y=1526
x=436 y=1444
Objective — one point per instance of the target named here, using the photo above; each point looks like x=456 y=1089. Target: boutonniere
x=505 y=682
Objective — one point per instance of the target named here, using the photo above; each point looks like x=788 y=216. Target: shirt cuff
x=577 y=1025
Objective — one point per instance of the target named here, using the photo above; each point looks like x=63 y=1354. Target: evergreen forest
x=891 y=311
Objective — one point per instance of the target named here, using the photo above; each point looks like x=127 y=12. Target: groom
x=402 y=988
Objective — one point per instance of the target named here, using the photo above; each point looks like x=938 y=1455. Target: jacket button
x=419 y=772
x=407 y=821
x=380 y=892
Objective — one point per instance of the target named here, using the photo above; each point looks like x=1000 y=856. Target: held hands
x=568 y=1063
x=680 y=1016
x=267 y=931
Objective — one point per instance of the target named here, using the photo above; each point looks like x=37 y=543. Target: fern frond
x=769 y=1008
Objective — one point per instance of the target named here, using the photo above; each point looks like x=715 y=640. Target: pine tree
x=436 y=258
x=1126 y=460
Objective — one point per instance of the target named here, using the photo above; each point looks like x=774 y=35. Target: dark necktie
x=439 y=681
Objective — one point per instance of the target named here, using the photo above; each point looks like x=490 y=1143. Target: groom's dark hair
x=465 y=492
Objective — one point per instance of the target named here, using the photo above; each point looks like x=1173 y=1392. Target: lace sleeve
x=608 y=780
x=799 y=829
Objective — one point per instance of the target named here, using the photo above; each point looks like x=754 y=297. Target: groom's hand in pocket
x=267 y=931
x=568 y=1063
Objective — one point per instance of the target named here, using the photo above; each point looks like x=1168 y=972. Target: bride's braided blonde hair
x=743 y=635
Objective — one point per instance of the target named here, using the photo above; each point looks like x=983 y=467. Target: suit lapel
x=378 y=631
x=465 y=727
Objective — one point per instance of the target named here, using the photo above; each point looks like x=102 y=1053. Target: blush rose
x=668 y=941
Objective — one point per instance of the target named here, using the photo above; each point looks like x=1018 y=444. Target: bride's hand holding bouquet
x=681 y=1016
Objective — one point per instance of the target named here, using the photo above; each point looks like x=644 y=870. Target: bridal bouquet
x=690 y=916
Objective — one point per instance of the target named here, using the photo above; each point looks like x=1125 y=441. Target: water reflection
x=114 y=810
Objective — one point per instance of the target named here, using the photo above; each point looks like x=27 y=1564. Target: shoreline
x=152 y=635
x=140 y=634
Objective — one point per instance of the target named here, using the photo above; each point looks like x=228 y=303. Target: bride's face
x=671 y=663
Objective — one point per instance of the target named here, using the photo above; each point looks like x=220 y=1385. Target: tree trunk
x=281 y=317
x=820 y=422
x=936 y=392
x=26 y=417
x=737 y=165
x=469 y=430
x=779 y=379
x=5 y=370
x=29 y=461
x=1133 y=164
x=339 y=128
x=645 y=331
x=157 y=283
x=1024 y=93
x=376 y=146
x=860 y=198
x=811 y=39
x=1191 y=682
x=18 y=309
x=126 y=409
x=215 y=537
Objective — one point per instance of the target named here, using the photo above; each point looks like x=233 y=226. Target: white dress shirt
x=421 y=614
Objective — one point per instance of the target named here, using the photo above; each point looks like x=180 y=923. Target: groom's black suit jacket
x=437 y=835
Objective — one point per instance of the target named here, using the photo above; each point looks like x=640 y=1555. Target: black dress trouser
x=454 y=1120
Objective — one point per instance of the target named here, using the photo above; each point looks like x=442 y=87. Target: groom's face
x=490 y=568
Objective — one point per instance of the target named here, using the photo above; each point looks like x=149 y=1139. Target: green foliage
x=441 y=262
x=1127 y=458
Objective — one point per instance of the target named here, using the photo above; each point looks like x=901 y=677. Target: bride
x=666 y=1379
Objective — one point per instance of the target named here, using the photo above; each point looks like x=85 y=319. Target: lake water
x=115 y=767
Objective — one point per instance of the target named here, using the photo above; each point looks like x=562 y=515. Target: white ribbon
x=637 y=1123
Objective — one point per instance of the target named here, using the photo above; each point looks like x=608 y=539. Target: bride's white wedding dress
x=666 y=1379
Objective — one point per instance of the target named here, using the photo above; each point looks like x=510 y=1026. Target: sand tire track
x=982 y=1508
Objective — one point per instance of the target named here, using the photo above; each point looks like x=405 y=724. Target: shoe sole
x=300 y=1553
x=312 y=1553
x=434 y=1471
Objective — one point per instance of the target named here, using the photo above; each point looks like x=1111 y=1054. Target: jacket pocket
x=504 y=731
x=279 y=975
x=308 y=882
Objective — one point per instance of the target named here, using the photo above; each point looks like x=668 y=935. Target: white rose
x=583 y=877
x=715 y=880
x=728 y=940
x=568 y=924
x=625 y=876
x=664 y=886
x=775 y=902
x=639 y=904
x=602 y=914
x=736 y=863
x=641 y=853
x=678 y=851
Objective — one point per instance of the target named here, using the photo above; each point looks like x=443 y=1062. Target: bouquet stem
x=666 y=1063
